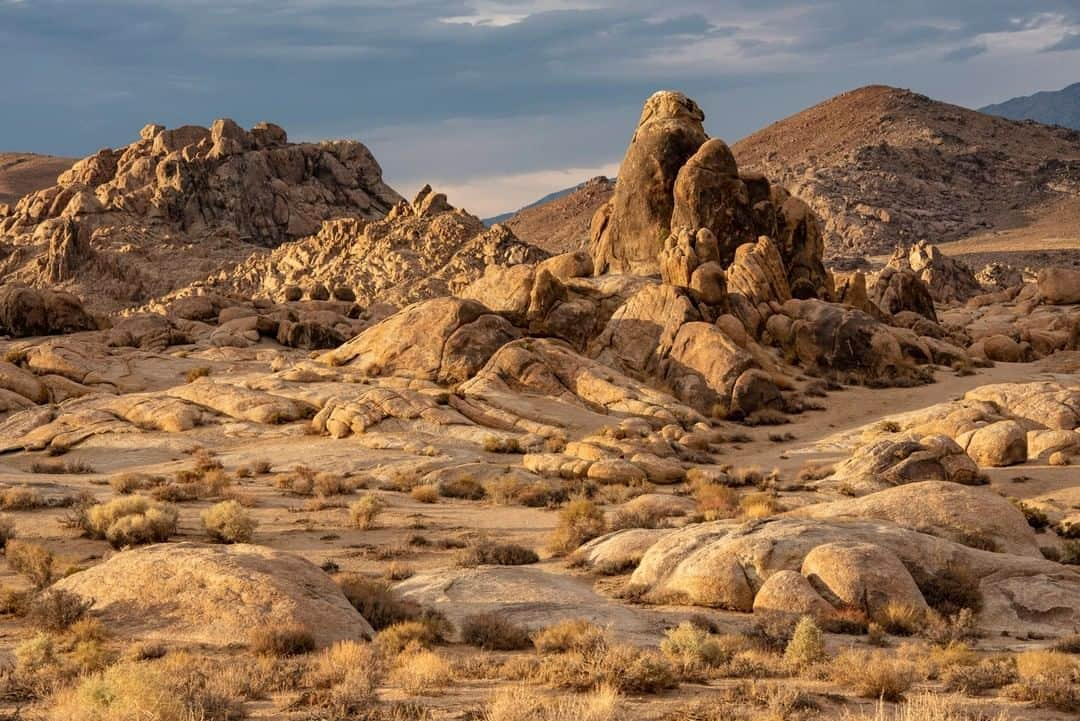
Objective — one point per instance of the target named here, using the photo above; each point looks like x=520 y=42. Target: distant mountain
x=883 y=166
x=24 y=173
x=559 y=222
x=1060 y=107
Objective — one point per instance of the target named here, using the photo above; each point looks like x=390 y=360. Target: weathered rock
x=641 y=332
x=947 y=279
x=790 y=594
x=1060 y=286
x=627 y=234
x=703 y=366
x=30 y=312
x=999 y=444
x=897 y=290
x=861 y=575
x=214 y=595
x=445 y=339
x=758 y=273
x=894 y=462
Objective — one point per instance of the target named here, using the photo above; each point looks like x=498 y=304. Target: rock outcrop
x=215 y=595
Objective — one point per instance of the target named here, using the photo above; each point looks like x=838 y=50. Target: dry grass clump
x=175 y=688
x=281 y=641
x=31 y=560
x=61 y=467
x=196 y=373
x=463 y=489
x=807 y=644
x=364 y=512
x=624 y=667
x=422 y=672
x=128 y=483
x=652 y=514
x=692 y=648
x=976 y=678
x=486 y=552
x=716 y=502
x=493 y=633
x=924 y=707
x=424 y=632
x=129 y=521
x=344 y=678
x=509 y=444
x=331 y=484
x=521 y=703
x=758 y=505
x=574 y=634
x=425 y=493
x=21 y=498
x=901 y=619
x=376 y=602
x=1068 y=644
x=873 y=674
x=228 y=522
x=7 y=531
x=580 y=520
x=1048 y=679
x=57 y=610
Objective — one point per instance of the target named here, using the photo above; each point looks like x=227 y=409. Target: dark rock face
x=31 y=312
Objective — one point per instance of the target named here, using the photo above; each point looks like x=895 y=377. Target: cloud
x=959 y=55
x=469 y=91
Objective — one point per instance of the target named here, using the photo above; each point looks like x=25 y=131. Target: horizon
x=497 y=102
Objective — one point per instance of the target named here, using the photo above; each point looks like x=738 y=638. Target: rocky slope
x=23 y=173
x=560 y=224
x=1060 y=107
x=884 y=166
x=126 y=225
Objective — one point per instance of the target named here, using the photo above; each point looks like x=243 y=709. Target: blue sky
x=497 y=101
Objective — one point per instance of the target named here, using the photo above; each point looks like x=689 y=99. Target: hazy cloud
x=490 y=96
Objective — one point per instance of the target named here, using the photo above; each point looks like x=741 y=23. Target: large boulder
x=214 y=595
x=1060 y=286
x=703 y=367
x=709 y=194
x=947 y=279
x=898 y=461
x=757 y=272
x=629 y=232
x=641 y=332
x=28 y=312
x=865 y=576
x=999 y=444
x=444 y=339
x=896 y=290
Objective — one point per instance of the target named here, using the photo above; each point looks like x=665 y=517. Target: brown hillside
x=22 y=173
x=883 y=166
x=562 y=225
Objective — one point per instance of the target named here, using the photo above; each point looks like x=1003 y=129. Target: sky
x=497 y=102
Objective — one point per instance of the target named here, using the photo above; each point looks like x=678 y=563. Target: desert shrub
x=1036 y=518
x=807 y=644
x=1068 y=644
x=1070 y=553
x=129 y=521
x=345 y=677
x=196 y=373
x=758 y=505
x=175 y=688
x=127 y=483
x=510 y=444
x=466 y=489
x=574 y=634
x=1048 y=679
x=426 y=493
x=21 y=498
x=364 y=512
x=986 y=675
x=376 y=602
x=873 y=674
x=330 y=484
x=520 y=703
x=486 y=552
x=580 y=520
x=900 y=619
x=493 y=633
x=644 y=515
x=422 y=672
x=815 y=472
x=228 y=522
x=950 y=590
x=56 y=610
x=31 y=560
x=261 y=467
x=716 y=502
x=925 y=707
x=691 y=647
x=427 y=630
x=7 y=531
x=283 y=640
x=541 y=495
x=61 y=467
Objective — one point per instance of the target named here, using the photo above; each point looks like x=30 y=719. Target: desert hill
x=884 y=166
x=559 y=223
x=1050 y=107
x=23 y=173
